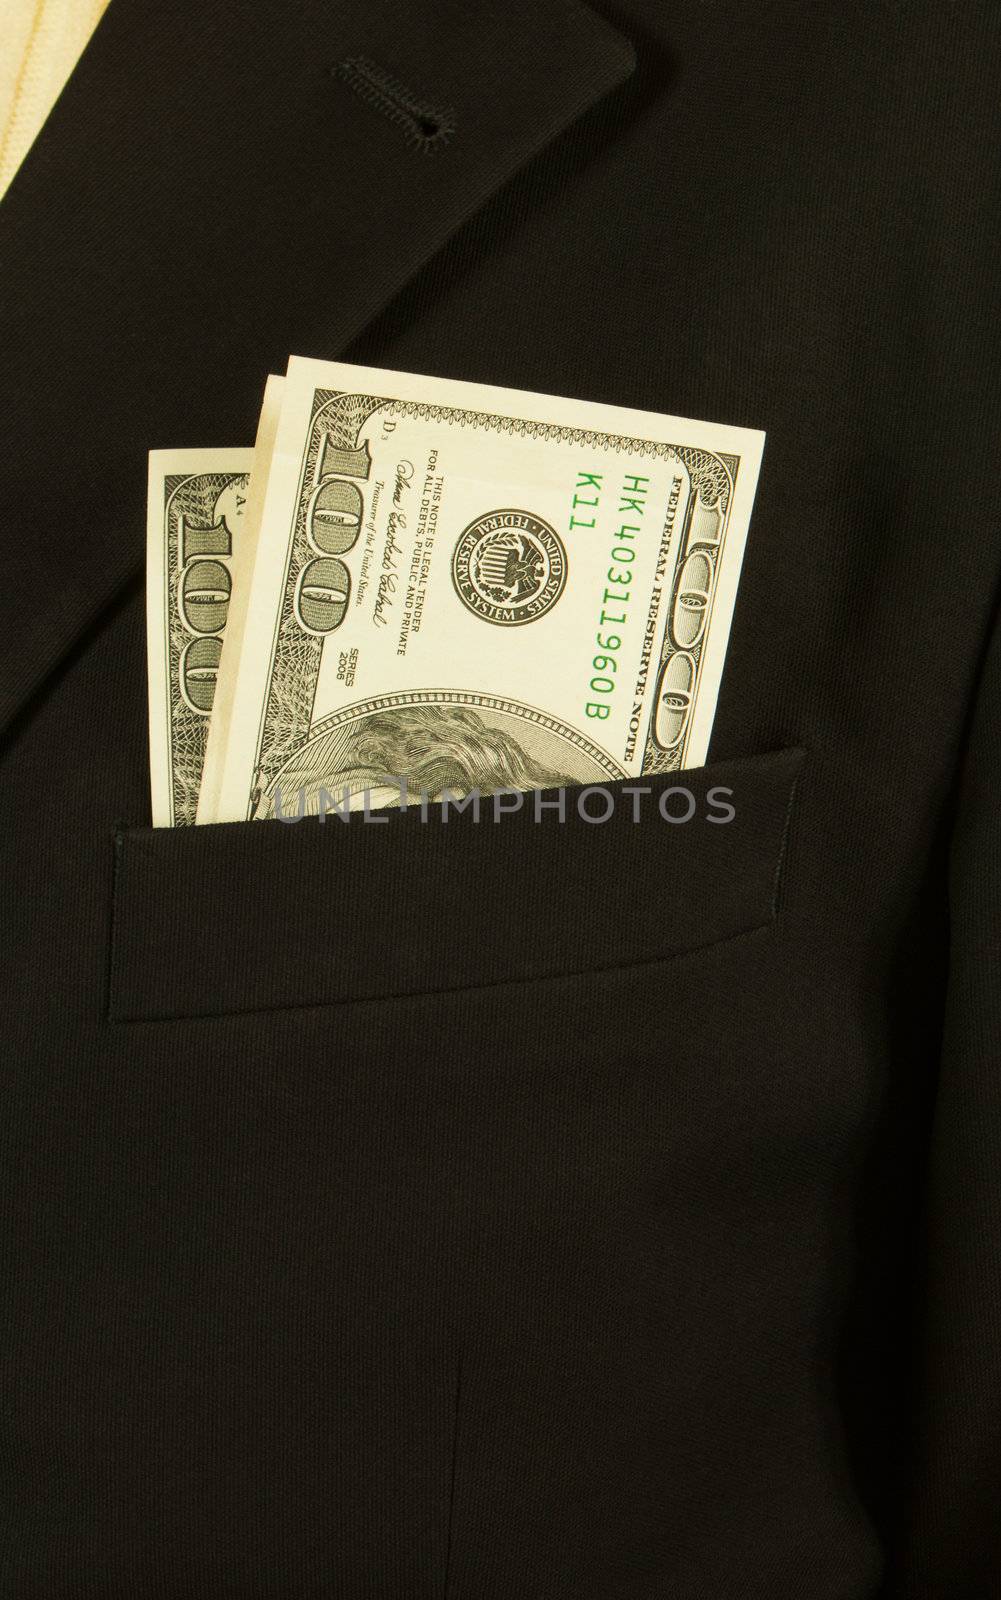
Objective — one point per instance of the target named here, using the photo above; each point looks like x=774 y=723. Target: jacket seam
x=116 y=873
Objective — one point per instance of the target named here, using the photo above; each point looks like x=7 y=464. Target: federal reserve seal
x=509 y=567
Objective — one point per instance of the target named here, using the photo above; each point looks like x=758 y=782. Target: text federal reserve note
x=462 y=587
x=194 y=511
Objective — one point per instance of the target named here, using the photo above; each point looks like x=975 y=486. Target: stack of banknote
x=411 y=586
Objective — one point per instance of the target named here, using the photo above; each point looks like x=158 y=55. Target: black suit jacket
x=515 y=1212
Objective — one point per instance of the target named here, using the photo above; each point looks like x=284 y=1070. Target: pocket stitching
x=783 y=842
x=449 y=989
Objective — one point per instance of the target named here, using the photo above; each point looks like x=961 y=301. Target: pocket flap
x=251 y=916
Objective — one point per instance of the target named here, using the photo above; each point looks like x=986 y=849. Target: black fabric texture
x=642 y=1241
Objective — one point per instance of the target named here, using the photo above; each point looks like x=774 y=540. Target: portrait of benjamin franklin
x=434 y=748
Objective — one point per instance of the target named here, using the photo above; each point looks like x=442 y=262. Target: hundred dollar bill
x=195 y=504
x=242 y=570
x=459 y=587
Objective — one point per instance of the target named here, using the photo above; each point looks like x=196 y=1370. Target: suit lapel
x=221 y=184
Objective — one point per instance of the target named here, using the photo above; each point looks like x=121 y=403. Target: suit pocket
x=249 y=916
